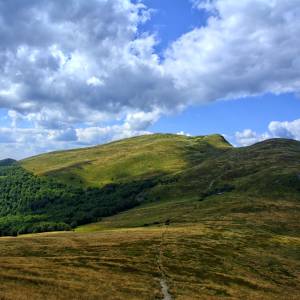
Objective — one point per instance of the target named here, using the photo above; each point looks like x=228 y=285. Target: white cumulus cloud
x=276 y=129
x=248 y=137
x=248 y=47
x=286 y=129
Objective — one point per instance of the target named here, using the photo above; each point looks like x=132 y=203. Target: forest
x=31 y=204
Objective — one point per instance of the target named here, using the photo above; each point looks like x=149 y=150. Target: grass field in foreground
x=251 y=251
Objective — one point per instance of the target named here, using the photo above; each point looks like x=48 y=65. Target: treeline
x=14 y=225
x=30 y=204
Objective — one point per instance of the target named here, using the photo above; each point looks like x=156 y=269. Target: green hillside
x=126 y=160
x=246 y=180
x=30 y=203
x=270 y=168
x=33 y=203
x=84 y=185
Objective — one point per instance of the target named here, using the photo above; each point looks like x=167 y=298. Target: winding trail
x=163 y=280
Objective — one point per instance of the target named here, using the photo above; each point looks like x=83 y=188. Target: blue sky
x=229 y=116
x=84 y=73
x=170 y=20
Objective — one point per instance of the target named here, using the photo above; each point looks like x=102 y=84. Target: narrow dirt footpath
x=163 y=280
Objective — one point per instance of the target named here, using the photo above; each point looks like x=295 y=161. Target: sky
x=77 y=73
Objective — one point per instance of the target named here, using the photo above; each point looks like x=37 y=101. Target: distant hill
x=7 y=162
x=64 y=189
x=269 y=168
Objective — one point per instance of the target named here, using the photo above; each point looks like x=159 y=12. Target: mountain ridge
x=148 y=153
x=137 y=159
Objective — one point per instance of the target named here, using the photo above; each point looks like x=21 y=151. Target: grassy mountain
x=208 y=220
x=126 y=160
x=33 y=203
x=184 y=165
x=84 y=185
x=269 y=168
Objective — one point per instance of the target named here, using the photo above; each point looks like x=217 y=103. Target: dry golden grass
x=201 y=261
x=110 y=265
x=226 y=247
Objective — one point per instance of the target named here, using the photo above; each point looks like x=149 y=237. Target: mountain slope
x=270 y=168
x=85 y=185
x=184 y=165
x=250 y=181
x=136 y=158
x=30 y=203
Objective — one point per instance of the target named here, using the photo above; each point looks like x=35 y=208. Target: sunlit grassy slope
x=126 y=160
x=181 y=167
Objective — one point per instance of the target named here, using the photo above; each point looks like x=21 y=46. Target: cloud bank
x=288 y=130
x=83 y=72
